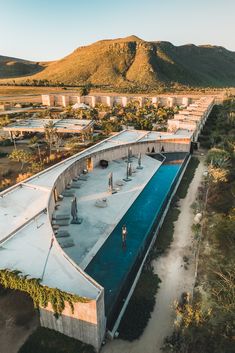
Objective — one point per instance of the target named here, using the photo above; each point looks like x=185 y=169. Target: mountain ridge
x=131 y=61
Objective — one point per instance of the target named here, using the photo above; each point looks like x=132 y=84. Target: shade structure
x=139 y=161
x=80 y=106
x=74 y=209
x=129 y=154
x=111 y=182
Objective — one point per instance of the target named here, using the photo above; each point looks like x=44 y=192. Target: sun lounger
x=61 y=222
x=101 y=203
x=119 y=183
x=68 y=193
x=75 y=185
x=83 y=177
x=62 y=234
x=66 y=243
x=57 y=216
x=55 y=227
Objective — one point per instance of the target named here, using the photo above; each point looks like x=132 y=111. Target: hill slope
x=131 y=61
x=14 y=67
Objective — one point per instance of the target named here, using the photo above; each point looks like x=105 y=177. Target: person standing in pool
x=124 y=234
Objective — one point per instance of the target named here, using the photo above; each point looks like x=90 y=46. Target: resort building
x=5 y=106
x=193 y=118
x=85 y=225
x=52 y=100
x=62 y=126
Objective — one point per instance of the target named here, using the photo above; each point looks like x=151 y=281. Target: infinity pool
x=112 y=264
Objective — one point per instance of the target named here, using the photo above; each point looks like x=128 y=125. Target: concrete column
x=51 y=100
x=154 y=100
x=48 y=99
x=170 y=101
x=141 y=101
x=109 y=101
x=65 y=101
x=124 y=101
x=93 y=101
x=185 y=101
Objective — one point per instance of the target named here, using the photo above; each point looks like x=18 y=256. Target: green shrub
x=41 y=295
x=3 y=154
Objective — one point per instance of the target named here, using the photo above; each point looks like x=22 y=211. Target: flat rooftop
x=27 y=252
x=38 y=125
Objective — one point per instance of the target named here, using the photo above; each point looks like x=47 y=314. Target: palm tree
x=51 y=134
x=85 y=90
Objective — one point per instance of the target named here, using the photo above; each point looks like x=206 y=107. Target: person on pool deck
x=124 y=234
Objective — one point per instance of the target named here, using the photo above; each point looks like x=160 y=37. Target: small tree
x=33 y=140
x=20 y=156
x=218 y=158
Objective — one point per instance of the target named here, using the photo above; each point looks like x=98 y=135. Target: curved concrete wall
x=88 y=323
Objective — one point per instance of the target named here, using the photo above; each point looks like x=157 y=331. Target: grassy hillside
x=130 y=61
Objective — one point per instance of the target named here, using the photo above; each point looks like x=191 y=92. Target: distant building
x=5 y=106
x=52 y=100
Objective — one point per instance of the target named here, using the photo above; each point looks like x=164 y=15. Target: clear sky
x=50 y=29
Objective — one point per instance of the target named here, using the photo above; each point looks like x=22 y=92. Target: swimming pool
x=113 y=263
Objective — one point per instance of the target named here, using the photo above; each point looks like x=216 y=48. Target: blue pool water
x=112 y=264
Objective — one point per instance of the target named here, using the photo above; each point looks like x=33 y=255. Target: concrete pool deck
x=112 y=266
x=98 y=223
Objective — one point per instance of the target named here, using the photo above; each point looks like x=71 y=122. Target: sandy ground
x=17 y=321
x=8 y=165
x=175 y=280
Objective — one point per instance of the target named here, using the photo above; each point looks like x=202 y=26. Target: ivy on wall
x=41 y=295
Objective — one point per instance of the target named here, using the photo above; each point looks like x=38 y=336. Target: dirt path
x=175 y=280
